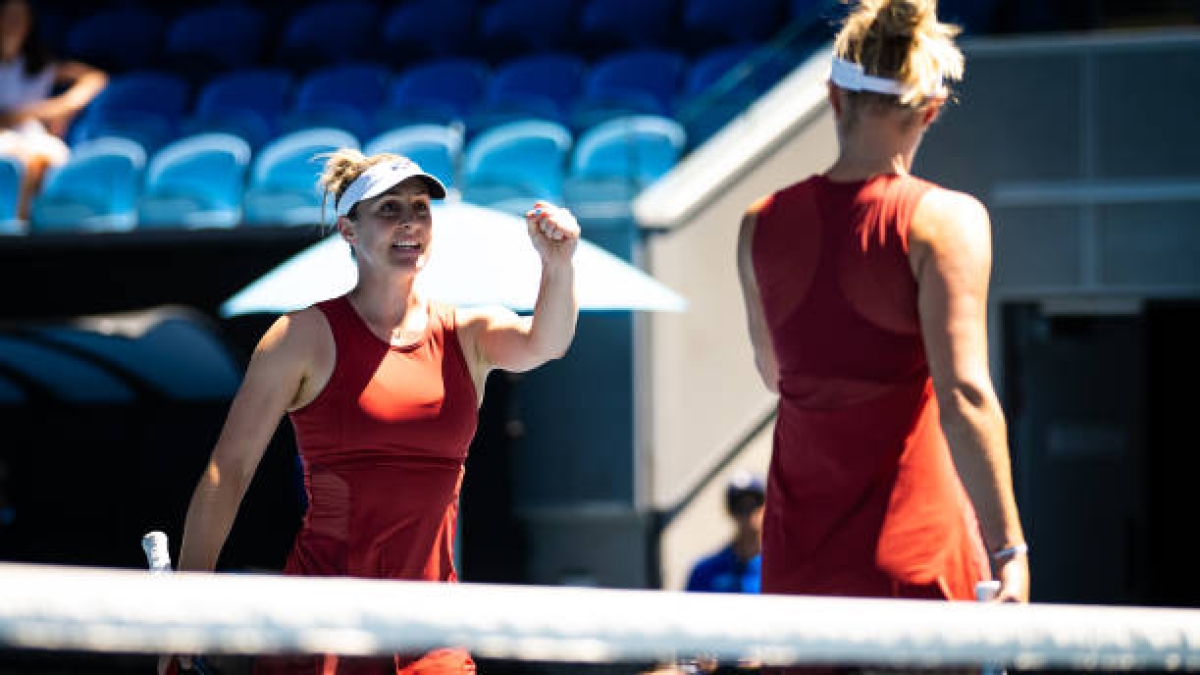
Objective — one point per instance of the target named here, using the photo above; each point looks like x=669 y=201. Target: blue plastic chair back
x=11 y=172
x=282 y=187
x=625 y=24
x=229 y=36
x=721 y=20
x=247 y=103
x=117 y=38
x=146 y=106
x=344 y=95
x=508 y=28
x=639 y=149
x=453 y=86
x=360 y=85
x=196 y=181
x=96 y=190
x=329 y=32
x=429 y=28
x=523 y=159
x=290 y=161
x=558 y=77
x=656 y=74
x=437 y=148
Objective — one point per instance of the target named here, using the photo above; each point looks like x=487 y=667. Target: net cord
x=52 y=607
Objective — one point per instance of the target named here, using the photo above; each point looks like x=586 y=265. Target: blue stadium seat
x=11 y=173
x=441 y=91
x=437 y=148
x=512 y=28
x=215 y=38
x=613 y=161
x=282 y=188
x=95 y=191
x=712 y=22
x=723 y=82
x=117 y=38
x=145 y=106
x=345 y=95
x=610 y=25
x=423 y=29
x=630 y=82
x=536 y=86
x=246 y=102
x=512 y=165
x=328 y=32
x=639 y=149
x=195 y=181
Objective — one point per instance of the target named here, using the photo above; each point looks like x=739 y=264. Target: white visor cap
x=384 y=176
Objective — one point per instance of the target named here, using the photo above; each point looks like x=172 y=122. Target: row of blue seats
x=368 y=97
x=239 y=35
x=217 y=180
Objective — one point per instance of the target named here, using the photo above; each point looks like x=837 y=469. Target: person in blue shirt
x=737 y=566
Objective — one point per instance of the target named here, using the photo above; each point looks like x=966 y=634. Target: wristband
x=1011 y=552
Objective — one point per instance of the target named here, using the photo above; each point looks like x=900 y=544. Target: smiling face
x=393 y=231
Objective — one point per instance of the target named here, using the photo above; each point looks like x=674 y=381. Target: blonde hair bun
x=904 y=41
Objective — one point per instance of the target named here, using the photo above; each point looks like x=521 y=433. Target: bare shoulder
x=300 y=333
x=948 y=215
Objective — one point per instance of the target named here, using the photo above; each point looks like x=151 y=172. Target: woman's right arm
x=760 y=336
x=276 y=379
x=950 y=254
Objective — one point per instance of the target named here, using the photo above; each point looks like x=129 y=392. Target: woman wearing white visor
x=383 y=388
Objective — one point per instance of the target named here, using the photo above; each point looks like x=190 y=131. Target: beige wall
x=705 y=526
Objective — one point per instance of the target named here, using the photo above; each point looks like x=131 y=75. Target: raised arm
x=279 y=377
x=498 y=338
x=951 y=256
x=760 y=337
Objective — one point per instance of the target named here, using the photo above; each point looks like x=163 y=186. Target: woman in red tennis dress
x=866 y=294
x=383 y=388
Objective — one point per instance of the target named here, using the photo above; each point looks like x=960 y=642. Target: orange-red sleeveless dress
x=383 y=447
x=862 y=498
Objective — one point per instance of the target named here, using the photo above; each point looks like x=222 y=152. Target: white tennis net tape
x=126 y=611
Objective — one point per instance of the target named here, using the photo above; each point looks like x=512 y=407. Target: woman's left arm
x=497 y=337
x=83 y=84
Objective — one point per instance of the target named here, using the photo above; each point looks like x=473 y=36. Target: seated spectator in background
x=33 y=119
x=736 y=567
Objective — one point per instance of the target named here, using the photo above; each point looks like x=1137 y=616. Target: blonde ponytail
x=902 y=40
x=341 y=168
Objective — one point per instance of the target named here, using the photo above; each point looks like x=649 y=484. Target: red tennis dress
x=383 y=447
x=862 y=498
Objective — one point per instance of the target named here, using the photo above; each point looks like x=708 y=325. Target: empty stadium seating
x=282 y=188
x=96 y=190
x=195 y=181
x=214 y=38
x=511 y=165
x=613 y=161
x=246 y=102
x=119 y=37
x=489 y=95
x=435 y=147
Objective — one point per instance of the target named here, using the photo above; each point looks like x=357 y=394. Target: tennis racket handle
x=158 y=555
x=986 y=591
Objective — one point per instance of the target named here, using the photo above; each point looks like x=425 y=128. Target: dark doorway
x=1099 y=400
